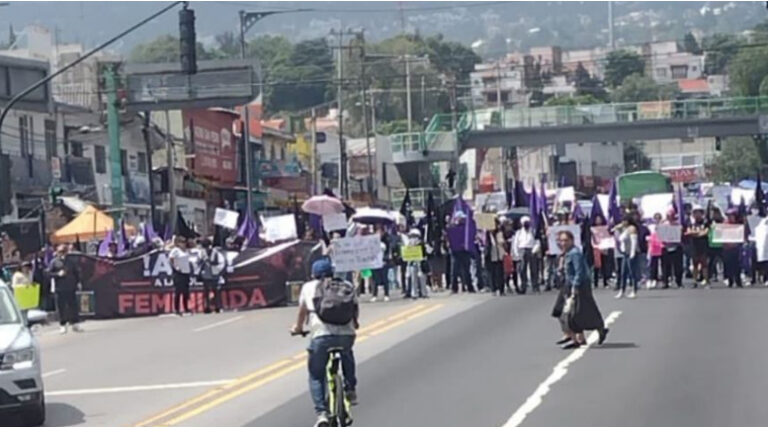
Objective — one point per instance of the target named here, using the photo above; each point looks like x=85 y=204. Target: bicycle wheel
x=340 y=408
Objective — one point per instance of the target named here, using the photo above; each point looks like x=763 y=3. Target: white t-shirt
x=180 y=259
x=317 y=327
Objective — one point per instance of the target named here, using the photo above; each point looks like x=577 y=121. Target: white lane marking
x=217 y=324
x=55 y=372
x=560 y=370
x=136 y=388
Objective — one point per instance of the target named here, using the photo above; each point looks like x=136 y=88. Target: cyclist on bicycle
x=331 y=308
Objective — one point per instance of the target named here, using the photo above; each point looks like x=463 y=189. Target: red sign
x=682 y=174
x=210 y=134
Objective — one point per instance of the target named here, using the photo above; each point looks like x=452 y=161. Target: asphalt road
x=691 y=357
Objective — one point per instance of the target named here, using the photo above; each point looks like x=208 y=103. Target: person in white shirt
x=23 y=276
x=524 y=246
x=182 y=269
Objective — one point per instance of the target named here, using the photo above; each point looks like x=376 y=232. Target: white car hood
x=9 y=334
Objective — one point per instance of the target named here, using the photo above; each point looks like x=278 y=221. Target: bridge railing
x=419 y=142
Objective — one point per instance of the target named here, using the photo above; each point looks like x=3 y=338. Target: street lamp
x=247 y=21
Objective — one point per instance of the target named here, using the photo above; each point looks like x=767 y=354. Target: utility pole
x=423 y=100
x=366 y=130
x=313 y=161
x=113 y=130
x=171 y=160
x=343 y=179
x=146 y=133
x=611 y=40
x=408 y=90
x=246 y=130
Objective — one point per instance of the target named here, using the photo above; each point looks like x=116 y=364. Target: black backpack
x=335 y=302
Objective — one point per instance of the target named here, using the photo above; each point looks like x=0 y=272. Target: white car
x=21 y=383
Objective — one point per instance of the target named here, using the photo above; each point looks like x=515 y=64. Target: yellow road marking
x=285 y=367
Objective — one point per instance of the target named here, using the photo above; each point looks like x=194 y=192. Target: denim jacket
x=576 y=271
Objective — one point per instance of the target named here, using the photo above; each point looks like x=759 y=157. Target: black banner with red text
x=143 y=286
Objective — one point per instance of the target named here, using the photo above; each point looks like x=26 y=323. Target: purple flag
x=533 y=205
x=122 y=243
x=577 y=215
x=521 y=196
x=167 y=232
x=316 y=224
x=597 y=211
x=681 y=207
x=104 y=245
x=743 y=208
x=462 y=231
x=543 y=208
x=249 y=230
x=614 y=210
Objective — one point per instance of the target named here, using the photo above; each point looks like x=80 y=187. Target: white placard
x=753 y=221
x=669 y=233
x=226 y=218
x=279 y=228
x=357 y=253
x=335 y=221
x=491 y=202
x=602 y=238
x=728 y=233
x=738 y=193
x=761 y=241
x=652 y=204
x=721 y=194
x=553 y=231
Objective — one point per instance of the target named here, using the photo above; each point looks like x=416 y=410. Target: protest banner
x=651 y=204
x=602 y=238
x=334 y=222
x=226 y=218
x=491 y=202
x=728 y=233
x=357 y=253
x=485 y=221
x=669 y=233
x=412 y=253
x=279 y=228
x=552 y=236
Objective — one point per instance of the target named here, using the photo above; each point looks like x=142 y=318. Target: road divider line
x=558 y=373
x=53 y=373
x=244 y=387
x=283 y=367
x=217 y=324
x=154 y=387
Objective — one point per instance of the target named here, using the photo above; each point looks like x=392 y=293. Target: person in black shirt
x=698 y=233
x=66 y=274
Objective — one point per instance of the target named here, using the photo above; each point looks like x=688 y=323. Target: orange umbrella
x=90 y=224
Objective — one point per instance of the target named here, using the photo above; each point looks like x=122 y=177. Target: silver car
x=21 y=383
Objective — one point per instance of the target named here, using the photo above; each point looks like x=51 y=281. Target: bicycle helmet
x=322 y=269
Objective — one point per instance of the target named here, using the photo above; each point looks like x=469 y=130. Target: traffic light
x=187 y=41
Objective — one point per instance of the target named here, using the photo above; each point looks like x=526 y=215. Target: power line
x=359 y=10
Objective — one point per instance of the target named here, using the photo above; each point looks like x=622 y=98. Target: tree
x=638 y=88
x=228 y=45
x=739 y=159
x=720 y=49
x=690 y=44
x=165 y=49
x=748 y=69
x=620 y=64
x=586 y=85
x=303 y=79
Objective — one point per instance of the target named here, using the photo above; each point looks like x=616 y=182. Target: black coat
x=66 y=272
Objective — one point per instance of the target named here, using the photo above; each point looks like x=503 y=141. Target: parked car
x=21 y=382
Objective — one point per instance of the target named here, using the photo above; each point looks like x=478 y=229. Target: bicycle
x=340 y=414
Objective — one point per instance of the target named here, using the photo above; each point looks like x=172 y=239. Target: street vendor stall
x=90 y=224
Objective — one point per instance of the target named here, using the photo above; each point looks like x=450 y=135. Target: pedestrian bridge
x=540 y=126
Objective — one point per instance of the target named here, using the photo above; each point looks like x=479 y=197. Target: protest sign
x=761 y=241
x=27 y=297
x=552 y=236
x=602 y=238
x=669 y=233
x=412 y=253
x=738 y=193
x=281 y=227
x=226 y=218
x=651 y=204
x=335 y=221
x=491 y=202
x=357 y=253
x=728 y=233
x=485 y=221
x=721 y=194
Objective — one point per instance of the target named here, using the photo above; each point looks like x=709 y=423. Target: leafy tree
x=720 y=49
x=621 y=64
x=303 y=79
x=165 y=49
x=228 y=45
x=587 y=85
x=748 y=69
x=690 y=44
x=739 y=159
x=638 y=88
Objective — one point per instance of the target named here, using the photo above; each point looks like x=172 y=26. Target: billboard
x=209 y=133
